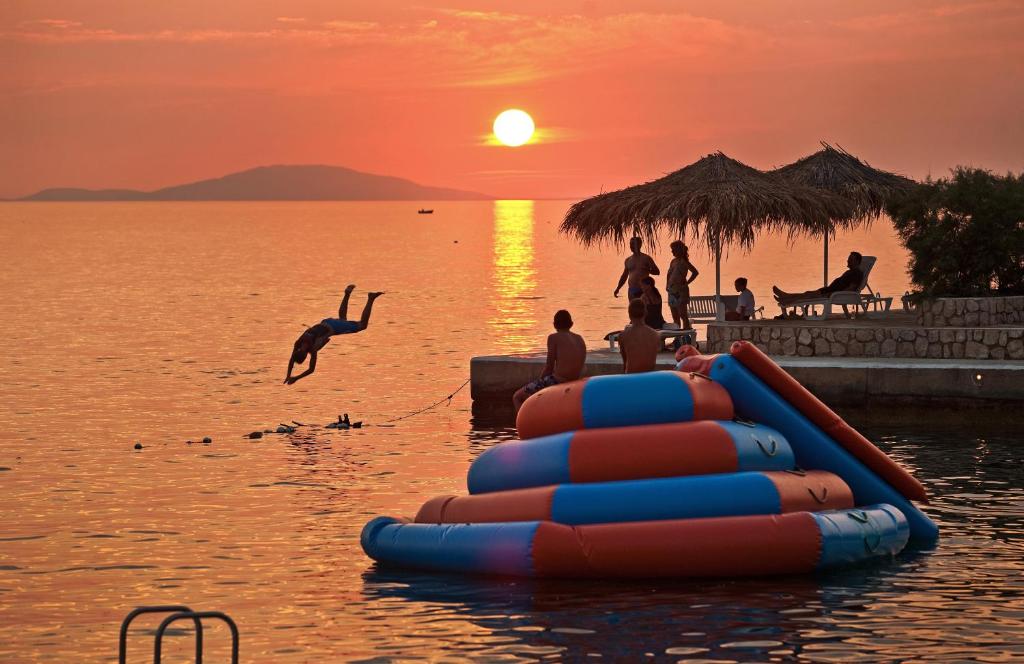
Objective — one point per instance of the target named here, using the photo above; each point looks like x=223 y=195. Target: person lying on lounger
x=850 y=280
x=316 y=337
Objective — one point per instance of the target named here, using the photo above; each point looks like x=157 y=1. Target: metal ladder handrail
x=197 y=616
x=122 y=650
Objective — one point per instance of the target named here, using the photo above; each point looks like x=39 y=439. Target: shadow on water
x=944 y=600
x=739 y=619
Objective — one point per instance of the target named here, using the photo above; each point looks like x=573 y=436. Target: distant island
x=276 y=183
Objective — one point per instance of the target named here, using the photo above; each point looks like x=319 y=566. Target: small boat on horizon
x=424 y=211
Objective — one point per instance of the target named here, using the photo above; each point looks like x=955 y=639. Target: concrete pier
x=838 y=381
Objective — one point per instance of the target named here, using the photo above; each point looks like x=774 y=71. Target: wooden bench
x=704 y=307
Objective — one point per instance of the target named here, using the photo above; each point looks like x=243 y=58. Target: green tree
x=965 y=234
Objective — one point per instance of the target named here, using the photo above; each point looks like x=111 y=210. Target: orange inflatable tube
x=697 y=496
x=776 y=544
x=655 y=397
x=823 y=417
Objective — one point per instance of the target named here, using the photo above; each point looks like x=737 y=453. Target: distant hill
x=276 y=183
x=71 y=194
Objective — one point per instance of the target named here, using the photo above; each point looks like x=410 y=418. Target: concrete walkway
x=838 y=381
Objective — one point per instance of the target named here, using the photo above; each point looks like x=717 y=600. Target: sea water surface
x=164 y=323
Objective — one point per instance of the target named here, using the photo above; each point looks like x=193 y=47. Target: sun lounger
x=700 y=309
x=857 y=299
x=670 y=331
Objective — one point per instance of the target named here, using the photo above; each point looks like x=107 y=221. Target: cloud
x=43 y=23
x=358 y=26
x=456 y=48
x=463 y=48
x=930 y=18
x=286 y=29
x=493 y=17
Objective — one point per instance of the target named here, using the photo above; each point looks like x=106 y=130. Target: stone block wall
x=825 y=341
x=971 y=311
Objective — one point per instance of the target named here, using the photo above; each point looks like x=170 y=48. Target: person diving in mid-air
x=316 y=337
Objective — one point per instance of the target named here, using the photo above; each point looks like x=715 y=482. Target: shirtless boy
x=638 y=343
x=567 y=353
x=638 y=266
x=316 y=337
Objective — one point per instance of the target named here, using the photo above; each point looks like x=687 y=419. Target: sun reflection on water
x=514 y=277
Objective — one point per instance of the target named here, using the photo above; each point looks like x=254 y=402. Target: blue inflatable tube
x=847 y=534
x=813 y=448
x=698 y=496
x=664 y=450
x=726 y=494
x=479 y=548
x=728 y=546
x=654 y=397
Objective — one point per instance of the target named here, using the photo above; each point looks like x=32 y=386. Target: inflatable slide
x=725 y=467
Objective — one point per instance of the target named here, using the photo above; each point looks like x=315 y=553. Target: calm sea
x=163 y=323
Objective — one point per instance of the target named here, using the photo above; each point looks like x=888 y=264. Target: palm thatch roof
x=717 y=200
x=837 y=171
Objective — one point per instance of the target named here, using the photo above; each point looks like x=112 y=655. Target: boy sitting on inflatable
x=567 y=353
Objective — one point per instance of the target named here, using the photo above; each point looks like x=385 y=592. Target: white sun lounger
x=857 y=299
x=670 y=331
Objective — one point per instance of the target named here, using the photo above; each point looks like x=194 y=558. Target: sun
x=513 y=127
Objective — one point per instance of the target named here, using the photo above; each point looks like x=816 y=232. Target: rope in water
x=433 y=405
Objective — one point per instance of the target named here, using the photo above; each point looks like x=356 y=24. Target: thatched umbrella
x=836 y=171
x=716 y=200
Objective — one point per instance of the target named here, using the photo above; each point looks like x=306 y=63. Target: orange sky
x=143 y=94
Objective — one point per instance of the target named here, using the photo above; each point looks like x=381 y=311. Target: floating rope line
x=447 y=399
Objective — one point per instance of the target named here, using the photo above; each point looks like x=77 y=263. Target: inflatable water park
x=726 y=466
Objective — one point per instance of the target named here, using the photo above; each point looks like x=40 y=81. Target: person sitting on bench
x=745 y=303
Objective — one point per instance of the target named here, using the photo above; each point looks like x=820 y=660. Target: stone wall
x=971 y=311
x=871 y=341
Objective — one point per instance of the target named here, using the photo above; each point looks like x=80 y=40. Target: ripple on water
x=268 y=530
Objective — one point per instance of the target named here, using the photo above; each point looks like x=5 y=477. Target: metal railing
x=178 y=612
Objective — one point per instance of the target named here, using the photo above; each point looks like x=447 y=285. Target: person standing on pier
x=681 y=274
x=567 y=355
x=638 y=266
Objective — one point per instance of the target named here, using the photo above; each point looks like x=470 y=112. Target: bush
x=965 y=234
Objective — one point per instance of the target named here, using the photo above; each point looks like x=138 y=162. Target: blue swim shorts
x=339 y=326
x=540 y=384
x=634 y=292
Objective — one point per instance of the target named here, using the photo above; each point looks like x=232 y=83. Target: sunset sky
x=144 y=94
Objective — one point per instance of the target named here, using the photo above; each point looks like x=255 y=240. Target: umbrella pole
x=719 y=309
x=826 y=259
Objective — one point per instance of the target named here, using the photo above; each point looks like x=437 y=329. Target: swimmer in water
x=316 y=337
